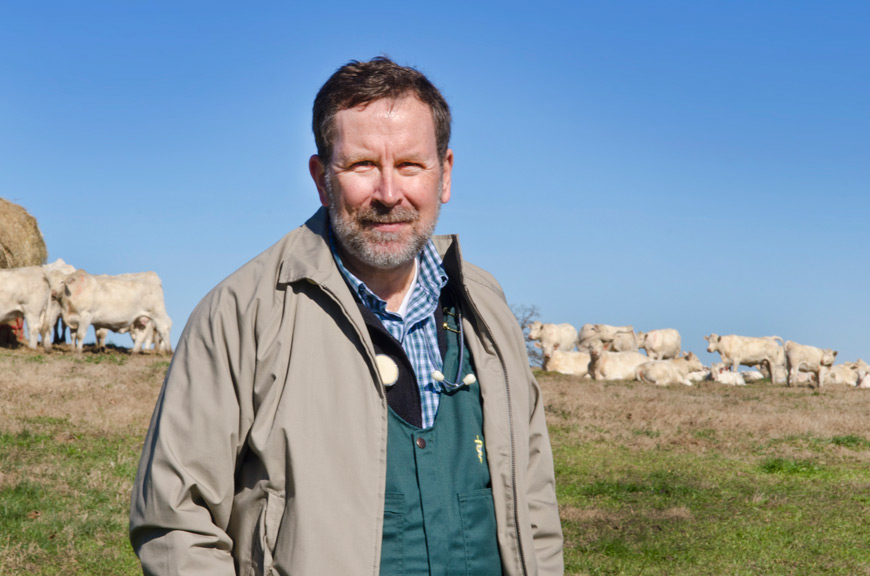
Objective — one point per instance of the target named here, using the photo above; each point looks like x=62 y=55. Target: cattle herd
x=42 y=295
x=606 y=352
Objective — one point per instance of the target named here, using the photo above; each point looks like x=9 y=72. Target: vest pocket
x=393 y=541
x=477 y=512
x=266 y=535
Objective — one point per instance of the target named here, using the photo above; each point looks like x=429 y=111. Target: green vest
x=439 y=517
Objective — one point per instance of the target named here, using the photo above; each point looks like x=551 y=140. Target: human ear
x=318 y=174
x=446 y=172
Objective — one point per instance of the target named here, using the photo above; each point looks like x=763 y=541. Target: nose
x=387 y=191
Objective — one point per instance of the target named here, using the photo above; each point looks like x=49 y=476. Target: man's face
x=384 y=185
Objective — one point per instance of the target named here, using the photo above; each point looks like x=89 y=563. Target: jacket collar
x=309 y=258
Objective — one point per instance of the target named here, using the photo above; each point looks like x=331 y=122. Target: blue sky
x=703 y=166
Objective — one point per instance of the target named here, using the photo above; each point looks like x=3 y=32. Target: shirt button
x=421 y=443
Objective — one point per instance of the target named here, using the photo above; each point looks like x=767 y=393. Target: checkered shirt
x=417 y=331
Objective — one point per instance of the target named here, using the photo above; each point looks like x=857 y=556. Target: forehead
x=404 y=121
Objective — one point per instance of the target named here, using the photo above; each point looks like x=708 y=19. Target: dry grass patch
x=88 y=390
x=706 y=417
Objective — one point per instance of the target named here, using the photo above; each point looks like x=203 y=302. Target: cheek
x=424 y=196
x=353 y=192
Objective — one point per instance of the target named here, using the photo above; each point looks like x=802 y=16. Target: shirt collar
x=431 y=276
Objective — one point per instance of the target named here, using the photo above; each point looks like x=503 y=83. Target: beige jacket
x=267 y=449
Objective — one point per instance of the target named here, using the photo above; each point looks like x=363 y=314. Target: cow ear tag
x=388 y=369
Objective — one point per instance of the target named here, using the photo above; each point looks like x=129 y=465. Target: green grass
x=97 y=358
x=669 y=513
x=64 y=501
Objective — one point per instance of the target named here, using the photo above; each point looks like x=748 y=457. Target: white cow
x=115 y=303
x=660 y=344
x=607 y=365
x=25 y=293
x=841 y=374
x=613 y=338
x=803 y=358
x=858 y=365
x=746 y=350
x=752 y=375
x=552 y=337
x=862 y=373
x=141 y=329
x=699 y=375
x=667 y=372
x=719 y=373
x=574 y=363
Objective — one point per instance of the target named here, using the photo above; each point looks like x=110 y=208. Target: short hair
x=359 y=83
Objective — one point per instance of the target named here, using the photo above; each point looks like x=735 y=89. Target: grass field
x=761 y=480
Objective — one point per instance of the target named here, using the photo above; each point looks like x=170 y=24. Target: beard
x=374 y=248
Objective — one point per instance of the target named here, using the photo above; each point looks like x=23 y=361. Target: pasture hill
x=709 y=479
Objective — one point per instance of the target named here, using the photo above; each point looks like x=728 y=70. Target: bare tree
x=525 y=315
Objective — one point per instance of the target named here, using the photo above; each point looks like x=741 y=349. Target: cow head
x=693 y=362
x=712 y=342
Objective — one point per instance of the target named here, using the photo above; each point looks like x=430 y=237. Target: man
x=356 y=399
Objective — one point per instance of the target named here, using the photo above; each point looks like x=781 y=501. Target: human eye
x=410 y=167
x=362 y=165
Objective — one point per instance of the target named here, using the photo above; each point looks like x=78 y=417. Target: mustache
x=379 y=214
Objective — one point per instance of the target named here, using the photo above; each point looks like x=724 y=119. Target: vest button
x=421 y=443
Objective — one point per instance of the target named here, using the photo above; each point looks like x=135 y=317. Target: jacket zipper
x=511 y=428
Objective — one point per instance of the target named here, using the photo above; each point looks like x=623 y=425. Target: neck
x=388 y=285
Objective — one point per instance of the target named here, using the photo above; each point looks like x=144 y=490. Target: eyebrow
x=355 y=157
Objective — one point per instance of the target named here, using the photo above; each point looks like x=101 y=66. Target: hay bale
x=21 y=242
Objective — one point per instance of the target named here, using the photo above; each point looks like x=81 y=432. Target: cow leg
x=792 y=375
x=137 y=341
x=32 y=330
x=149 y=338
x=161 y=326
x=100 y=338
x=81 y=331
x=46 y=335
x=80 y=337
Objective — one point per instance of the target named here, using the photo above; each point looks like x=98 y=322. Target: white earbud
x=437 y=376
x=469 y=380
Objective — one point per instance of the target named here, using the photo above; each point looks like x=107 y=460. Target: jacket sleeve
x=541 y=489
x=183 y=492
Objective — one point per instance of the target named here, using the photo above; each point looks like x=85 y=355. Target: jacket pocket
x=393 y=541
x=266 y=536
x=477 y=511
